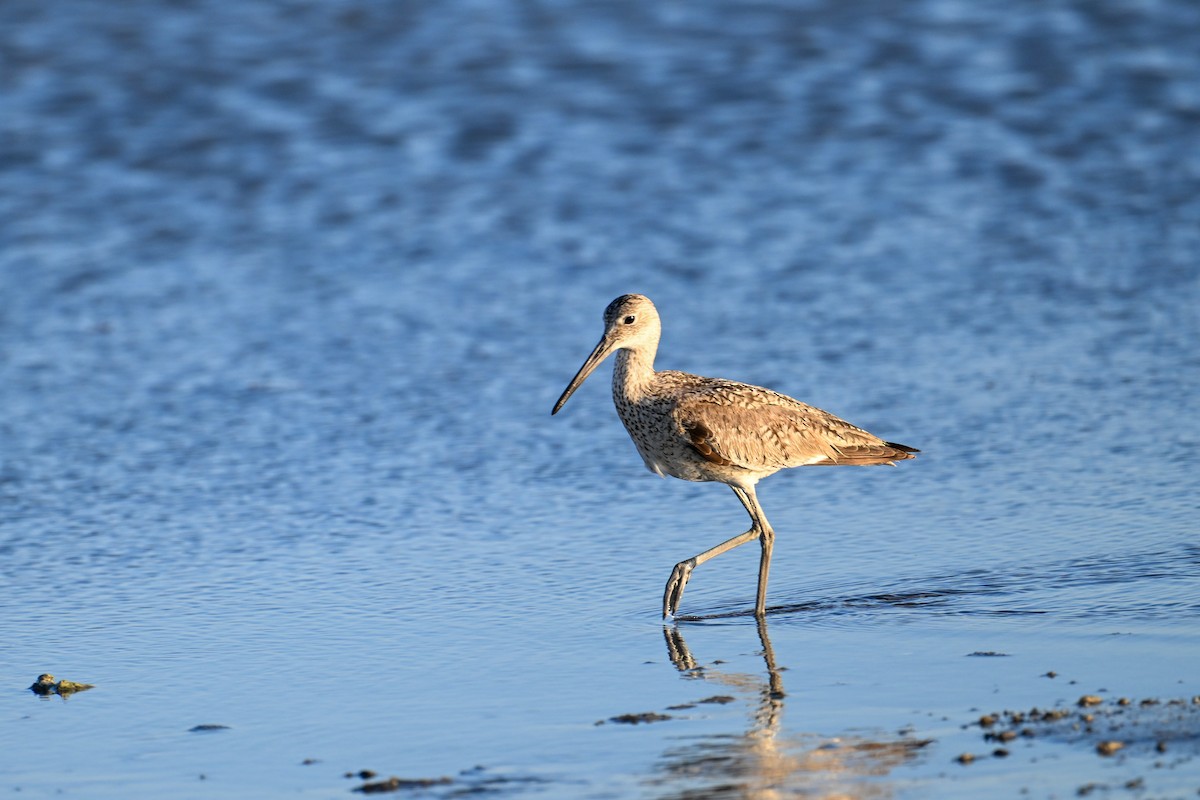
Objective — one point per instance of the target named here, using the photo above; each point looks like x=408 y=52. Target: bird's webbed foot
x=674 y=591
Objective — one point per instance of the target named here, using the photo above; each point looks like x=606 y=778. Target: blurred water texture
x=287 y=290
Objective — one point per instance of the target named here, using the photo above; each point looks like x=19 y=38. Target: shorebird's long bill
x=602 y=351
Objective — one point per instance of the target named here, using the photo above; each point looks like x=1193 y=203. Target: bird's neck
x=633 y=373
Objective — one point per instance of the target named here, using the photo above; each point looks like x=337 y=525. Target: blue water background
x=287 y=291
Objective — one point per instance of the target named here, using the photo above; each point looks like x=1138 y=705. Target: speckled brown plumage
x=709 y=429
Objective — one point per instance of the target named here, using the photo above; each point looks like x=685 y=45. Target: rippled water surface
x=287 y=291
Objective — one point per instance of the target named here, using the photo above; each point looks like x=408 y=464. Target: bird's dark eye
x=628 y=320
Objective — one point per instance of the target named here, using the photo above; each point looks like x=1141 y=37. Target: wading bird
x=709 y=429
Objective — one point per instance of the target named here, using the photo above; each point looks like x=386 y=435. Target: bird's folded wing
x=757 y=429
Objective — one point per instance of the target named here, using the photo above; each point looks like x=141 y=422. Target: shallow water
x=287 y=291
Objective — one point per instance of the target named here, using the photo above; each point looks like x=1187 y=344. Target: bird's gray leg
x=683 y=570
x=766 y=537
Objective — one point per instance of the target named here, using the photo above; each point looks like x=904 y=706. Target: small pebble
x=965 y=758
x=47 y=685
x=1109 y=747
x=1090 y=700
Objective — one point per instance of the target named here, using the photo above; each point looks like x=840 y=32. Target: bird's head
x=630 y=323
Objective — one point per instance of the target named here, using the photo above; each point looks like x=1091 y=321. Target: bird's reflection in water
x=766 y=761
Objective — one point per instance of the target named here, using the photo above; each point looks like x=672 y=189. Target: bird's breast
x=663 y=449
